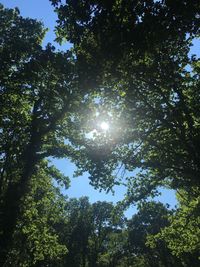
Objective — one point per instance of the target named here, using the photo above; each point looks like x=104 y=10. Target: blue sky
x=43 y=11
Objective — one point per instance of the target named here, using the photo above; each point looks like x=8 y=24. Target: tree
x=182 y=234
x=36 y=239
x=106 y=34
x=151 y=218
x=88 y=233
x=136 y=52
x=116 y=252
x=40 y=97
x=76 y=231
x=105 y=221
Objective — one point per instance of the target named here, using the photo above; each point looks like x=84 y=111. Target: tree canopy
x=137 y=53
x=129 y=68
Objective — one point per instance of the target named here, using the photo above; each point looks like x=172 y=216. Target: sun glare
x=104 y=126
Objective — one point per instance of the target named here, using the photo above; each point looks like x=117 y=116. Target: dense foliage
x=130 y=65
x=39 y=97
x=143 y=68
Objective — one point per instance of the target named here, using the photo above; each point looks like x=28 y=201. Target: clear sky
x=43 y=11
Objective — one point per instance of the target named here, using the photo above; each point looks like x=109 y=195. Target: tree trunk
x=13 y=200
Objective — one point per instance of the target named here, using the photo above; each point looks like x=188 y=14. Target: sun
x=101 y=128
x=104 y=126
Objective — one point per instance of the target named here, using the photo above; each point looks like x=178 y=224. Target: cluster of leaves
x=105 y=33
x=36 y=240
x=182 y=234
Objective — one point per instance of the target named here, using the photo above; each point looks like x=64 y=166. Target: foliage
x=107 y=34
x=129 y=66
x=88 y=231
x=136 y=52
x=39 y=97
x=182 y=235
x=151 y=218
x=36 y=241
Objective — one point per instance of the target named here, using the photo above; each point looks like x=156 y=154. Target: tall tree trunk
x=13 y=200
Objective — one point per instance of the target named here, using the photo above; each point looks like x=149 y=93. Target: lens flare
x=104 y=126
